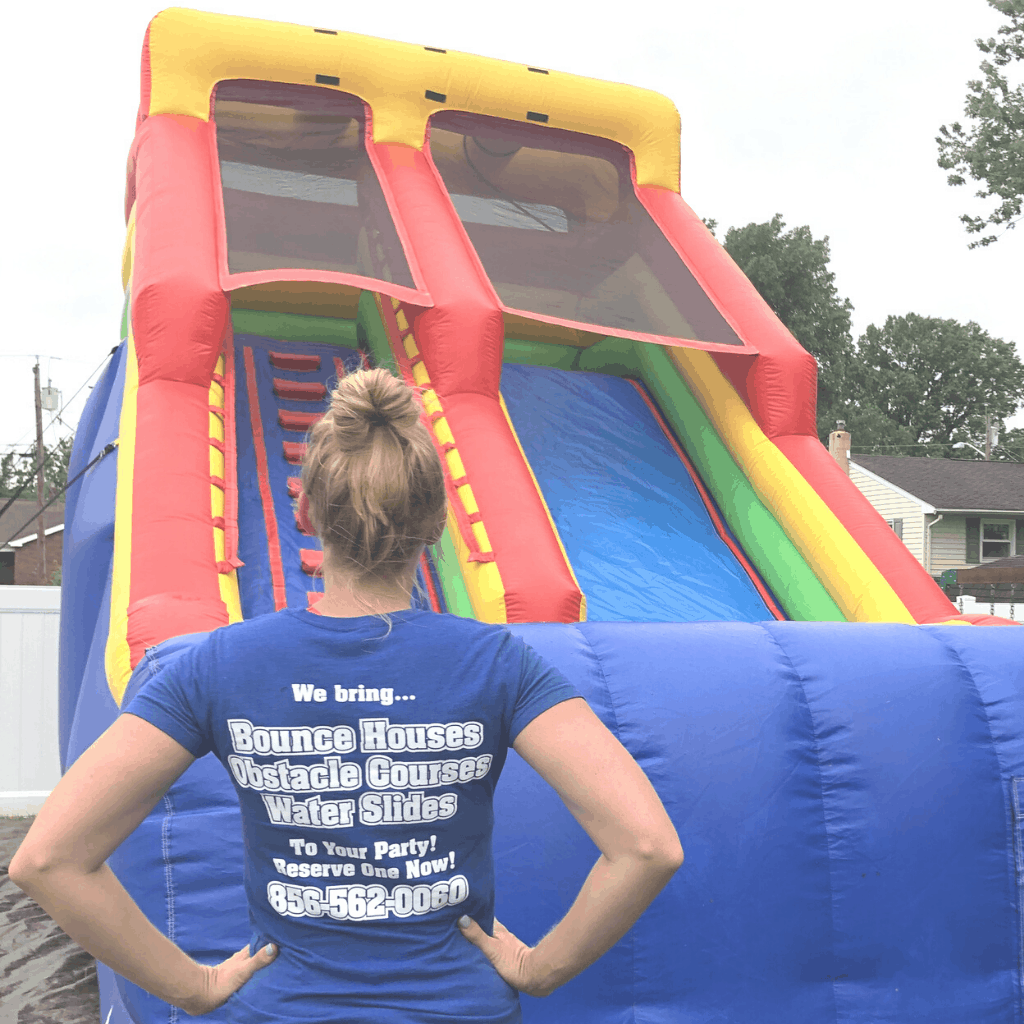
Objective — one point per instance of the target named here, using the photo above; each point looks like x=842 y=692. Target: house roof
x=1002 y=570
x=22 y=541
x=19 y=520
x=953 y=484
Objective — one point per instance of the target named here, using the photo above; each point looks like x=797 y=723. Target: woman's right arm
x=615 y=803
x=61 y=864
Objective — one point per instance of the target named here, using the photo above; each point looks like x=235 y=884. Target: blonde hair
x=373 y=477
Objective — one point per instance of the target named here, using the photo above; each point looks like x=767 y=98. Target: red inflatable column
x=179 y=319
x=461 y=339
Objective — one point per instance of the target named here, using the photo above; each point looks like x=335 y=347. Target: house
x=21 y=547
x=950 y=513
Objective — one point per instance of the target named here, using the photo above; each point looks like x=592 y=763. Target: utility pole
x=988 y=437
x=40 y=475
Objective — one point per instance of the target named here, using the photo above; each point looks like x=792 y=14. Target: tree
x=1011 y=446
x=790 y=270
x=18 y=468
x=934 y=381
x=991 y=149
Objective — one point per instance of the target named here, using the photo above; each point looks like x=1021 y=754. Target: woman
x=356 y=734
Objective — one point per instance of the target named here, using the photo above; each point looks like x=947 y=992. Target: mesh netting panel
x=299 y=189
x=560 y=231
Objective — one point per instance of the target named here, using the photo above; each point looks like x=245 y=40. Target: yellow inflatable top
x=404 y=84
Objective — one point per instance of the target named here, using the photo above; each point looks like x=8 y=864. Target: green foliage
x=929 y=382
x=991 y=148
x=915 y=386
x=790 y=270
x=17 y=468
x=1010 y=447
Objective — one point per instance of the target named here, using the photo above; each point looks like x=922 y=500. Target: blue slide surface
x=634 y=526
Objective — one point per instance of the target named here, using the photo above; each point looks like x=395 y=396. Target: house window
x=896 y=525
x=997 y=540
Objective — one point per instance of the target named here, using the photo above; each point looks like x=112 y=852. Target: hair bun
x=375 y=496
x=372 y=398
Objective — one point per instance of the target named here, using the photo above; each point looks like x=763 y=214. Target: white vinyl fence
x=29 y=757
x=981 y=606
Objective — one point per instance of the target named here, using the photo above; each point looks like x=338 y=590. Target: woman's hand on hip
x=223 y=980
x=509 y=956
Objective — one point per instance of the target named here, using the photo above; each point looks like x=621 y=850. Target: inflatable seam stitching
x=816 y=741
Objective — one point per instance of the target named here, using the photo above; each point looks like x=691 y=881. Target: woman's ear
x=305 y=525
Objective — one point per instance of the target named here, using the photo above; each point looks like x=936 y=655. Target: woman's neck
x=346 y=598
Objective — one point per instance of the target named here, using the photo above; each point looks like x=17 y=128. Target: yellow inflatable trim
x=128 y=252
x=483 y=581
x=226 y=581
x=117 y=656
x=404 y=84
x=856 y=585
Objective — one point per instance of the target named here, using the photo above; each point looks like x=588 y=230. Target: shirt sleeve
x=541 y=686
x=174 y=700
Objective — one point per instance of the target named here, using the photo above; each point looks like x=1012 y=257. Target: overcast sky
x=825 y=113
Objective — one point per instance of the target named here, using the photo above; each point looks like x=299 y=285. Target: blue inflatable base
x=847 y=797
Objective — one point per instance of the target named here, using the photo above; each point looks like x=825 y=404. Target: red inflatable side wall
x=462 y=338
x=179 y=319
x=779 y=387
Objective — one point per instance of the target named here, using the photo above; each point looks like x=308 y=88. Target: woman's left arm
x=61 y=864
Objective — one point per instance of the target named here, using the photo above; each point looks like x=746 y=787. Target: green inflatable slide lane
x=782 y=567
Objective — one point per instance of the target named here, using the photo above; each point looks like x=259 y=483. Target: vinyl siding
x=891 y=505
x=949 y=543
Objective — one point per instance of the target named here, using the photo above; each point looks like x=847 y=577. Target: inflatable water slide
x=636 y=488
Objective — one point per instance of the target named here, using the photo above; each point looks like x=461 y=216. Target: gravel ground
x=45 y=978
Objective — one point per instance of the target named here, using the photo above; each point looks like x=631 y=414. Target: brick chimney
x=839 y=446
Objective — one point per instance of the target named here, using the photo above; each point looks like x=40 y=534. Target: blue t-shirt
x=365 y=763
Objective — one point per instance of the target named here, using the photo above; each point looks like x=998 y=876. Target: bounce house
x=636 y=488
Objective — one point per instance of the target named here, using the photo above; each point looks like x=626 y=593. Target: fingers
x=245 y=966
x=473 y=931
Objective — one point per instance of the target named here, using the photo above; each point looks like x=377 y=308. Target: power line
x=56 y=415
x=41 y=465
x=106 y=450
x=29 y=479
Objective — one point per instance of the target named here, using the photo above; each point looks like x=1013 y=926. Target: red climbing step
x=311 y=560
x=297 y=420
x=300 y=390
x=294 y=361
x=294 y=451
x=294 y=486
x=298 y=526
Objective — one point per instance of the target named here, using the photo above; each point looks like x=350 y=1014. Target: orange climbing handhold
x=296 y=420
x=295 y=361
x=300 y=390
x=294 y=451
x=311 y=561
